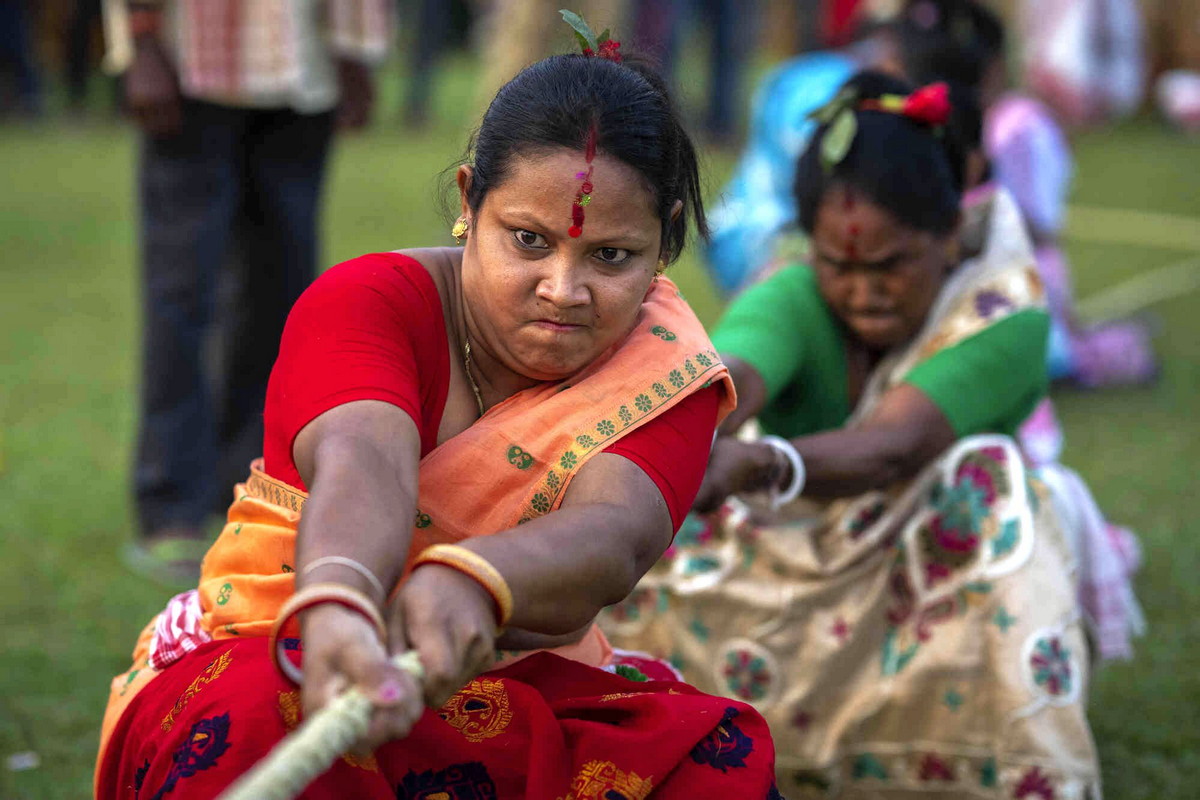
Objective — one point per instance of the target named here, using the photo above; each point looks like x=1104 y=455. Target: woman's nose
x=563 y=284
x=866 y=289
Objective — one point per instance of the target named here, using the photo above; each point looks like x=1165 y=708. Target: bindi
x=853 y=231
x=584 y=196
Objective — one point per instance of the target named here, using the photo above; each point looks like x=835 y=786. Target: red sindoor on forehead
x=584 y=196
x=590 y=148
x=852 y=232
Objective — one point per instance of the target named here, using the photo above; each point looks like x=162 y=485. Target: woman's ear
x=676 y=210
x=463 y=178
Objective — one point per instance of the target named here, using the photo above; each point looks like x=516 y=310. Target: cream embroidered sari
x=920 y=641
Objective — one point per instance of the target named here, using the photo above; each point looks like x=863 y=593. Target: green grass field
x=68 y=332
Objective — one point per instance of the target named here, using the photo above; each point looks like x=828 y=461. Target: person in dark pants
x=661 y=23
x=231 y=167
x=17 y=58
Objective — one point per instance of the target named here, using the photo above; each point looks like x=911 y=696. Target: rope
x=312 y=748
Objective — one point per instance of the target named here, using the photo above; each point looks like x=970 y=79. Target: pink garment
x=1031 y=159
x=1108 y=556
x=1040 y=436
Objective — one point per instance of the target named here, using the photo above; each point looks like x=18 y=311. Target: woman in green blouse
x=879 y=574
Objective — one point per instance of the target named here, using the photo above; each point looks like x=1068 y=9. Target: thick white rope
x=312 y=748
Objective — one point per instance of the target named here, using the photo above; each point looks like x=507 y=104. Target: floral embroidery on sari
x=601 y=780
x=468 y=781
x=480 y=710
x=726 y=747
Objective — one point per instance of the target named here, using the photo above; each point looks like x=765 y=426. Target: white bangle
x=358 y=567
x=796 y=485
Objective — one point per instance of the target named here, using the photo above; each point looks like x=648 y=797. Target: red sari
x=544 y=728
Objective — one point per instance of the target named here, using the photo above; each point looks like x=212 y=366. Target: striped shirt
x=272 y=53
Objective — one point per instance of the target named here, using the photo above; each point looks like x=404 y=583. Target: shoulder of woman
x=792 y=283
x=442 y=264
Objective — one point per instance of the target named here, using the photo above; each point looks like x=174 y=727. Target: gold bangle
x=315 y=595
x=476 y=567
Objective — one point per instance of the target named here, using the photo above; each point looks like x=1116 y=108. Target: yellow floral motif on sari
x=601 y=780
x=480 y=710
x=207 y=676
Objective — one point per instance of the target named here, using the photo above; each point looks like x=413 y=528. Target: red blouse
x=372 y=329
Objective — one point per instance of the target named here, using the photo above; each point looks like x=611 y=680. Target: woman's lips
x=557 y=327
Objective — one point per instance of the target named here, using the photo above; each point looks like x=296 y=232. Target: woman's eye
x=613 y=255
x=529 y=239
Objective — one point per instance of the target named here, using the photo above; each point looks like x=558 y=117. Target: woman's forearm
x=847 y=462
x=360 y=507
x=905 y=432
x=564 y=567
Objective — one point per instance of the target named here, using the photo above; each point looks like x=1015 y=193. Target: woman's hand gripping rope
x=316 y=744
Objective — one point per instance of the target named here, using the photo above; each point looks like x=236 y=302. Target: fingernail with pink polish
x=389 y=692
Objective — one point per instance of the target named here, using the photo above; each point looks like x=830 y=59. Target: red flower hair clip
x=929 y=105
x=603 y=45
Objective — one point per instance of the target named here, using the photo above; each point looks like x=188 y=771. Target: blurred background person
x=1086 y=58
x=512 y=34
x=20 y=76
x=1031 y=157
x=757 y=205
x=726 y=26
x=79 y=38
x=1174 y=27
x=236 y=102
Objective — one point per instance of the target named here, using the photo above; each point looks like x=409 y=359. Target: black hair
x=966 y=116
x=555 y=102
x=949 y=40
x=913 y=171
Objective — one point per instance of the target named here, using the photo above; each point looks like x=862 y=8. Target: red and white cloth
x=177 y=630
x=1107 y=556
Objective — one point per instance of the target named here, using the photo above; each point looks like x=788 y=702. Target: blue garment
x=758 y=203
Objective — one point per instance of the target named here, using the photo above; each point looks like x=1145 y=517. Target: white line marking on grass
x=1130 y=226
x=1139 y=292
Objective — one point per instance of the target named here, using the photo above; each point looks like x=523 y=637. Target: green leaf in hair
x=838 y=138
x=604 y=37
x=845 y=98
x=587 y=39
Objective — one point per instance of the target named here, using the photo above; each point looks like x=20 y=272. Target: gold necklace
x=470 y=377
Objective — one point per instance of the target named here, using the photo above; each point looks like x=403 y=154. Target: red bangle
x=316 y=595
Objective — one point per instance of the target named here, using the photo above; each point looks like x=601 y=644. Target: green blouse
x=987 y=383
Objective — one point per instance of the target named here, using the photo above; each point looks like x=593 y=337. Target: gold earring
x=459 y=230
x=660 y=269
